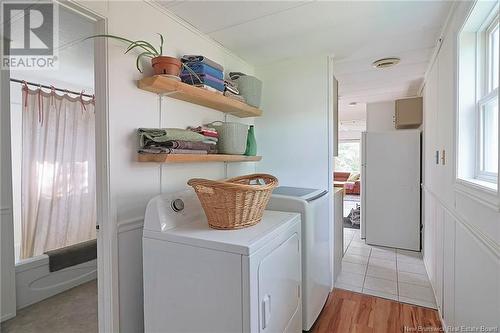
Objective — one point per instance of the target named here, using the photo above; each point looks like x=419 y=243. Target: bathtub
x=34 y=281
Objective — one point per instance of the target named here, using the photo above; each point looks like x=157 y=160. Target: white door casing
x=7 y=261
x=108 y=305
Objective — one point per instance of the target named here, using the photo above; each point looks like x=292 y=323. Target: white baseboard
x=7 y=316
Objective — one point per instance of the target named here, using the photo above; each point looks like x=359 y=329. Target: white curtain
x=58 y=171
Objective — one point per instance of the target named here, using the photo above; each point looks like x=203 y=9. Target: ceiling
x=355 y=32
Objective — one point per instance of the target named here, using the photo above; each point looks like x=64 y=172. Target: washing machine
x=198 y=279
x=317 y=244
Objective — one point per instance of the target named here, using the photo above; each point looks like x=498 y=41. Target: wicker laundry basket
x=234 y=203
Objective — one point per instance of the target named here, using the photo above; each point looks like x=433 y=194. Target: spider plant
x=146 y=49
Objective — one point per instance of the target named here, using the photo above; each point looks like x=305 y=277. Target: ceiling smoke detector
x=386 y=62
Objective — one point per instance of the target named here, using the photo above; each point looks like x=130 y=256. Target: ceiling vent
x=386 y=62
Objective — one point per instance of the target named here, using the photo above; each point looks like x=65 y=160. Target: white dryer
x=198 y=279
x=317 y=246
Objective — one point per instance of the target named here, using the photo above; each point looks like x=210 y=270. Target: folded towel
x=189 y=58
x=194 y=145
x=150 y=136
x=72 y=255
x=201 y=68
x=231 y=86
x=232 y=90
x=206 y=131
x=210 y=134
x=231 y=83
x=203 y=79
x=204 y=86
x=236 y=75
x=164 y=150
x=209 y=139
x=229 y=94
x=201 y=128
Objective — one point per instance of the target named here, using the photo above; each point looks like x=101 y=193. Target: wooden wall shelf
x=185 y=92
x=195 y=158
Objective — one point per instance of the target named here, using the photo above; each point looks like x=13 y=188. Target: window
x=488 y=140
x=492 y=54
x=487 y=104
x=349 y=157
x=478 y=80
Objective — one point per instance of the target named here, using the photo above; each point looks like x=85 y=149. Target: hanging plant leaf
x=148 y=49
x=139 y=57
x=144 y=45
x=191 y=72
x=161 y=44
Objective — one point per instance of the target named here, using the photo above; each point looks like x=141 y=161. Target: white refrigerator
x=390 y=188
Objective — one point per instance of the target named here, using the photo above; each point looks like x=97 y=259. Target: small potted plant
x=162 y=65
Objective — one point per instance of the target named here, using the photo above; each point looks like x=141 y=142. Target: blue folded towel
x=199 y=58
x=201 y=68
x=203 y=79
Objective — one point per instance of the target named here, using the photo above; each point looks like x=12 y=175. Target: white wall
x=133 y=184
x=461 y=231
x=380 y=116
x=296 y=134
x=293 y=132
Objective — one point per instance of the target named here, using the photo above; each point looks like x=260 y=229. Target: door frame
x=8 y=303
x=332 y=120
x=107 y=242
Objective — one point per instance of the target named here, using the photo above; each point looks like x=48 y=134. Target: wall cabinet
x=408 y=113
x=380 y=116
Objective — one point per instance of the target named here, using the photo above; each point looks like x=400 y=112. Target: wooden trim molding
x=489 y=243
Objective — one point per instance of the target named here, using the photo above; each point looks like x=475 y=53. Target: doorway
x=53 y=124
x=347 y=175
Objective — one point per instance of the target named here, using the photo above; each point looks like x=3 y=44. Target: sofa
x=350 y=182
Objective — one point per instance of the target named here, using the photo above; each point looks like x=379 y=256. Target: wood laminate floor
x=350 y=312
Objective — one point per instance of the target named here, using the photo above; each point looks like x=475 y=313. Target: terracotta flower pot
x=166 y=65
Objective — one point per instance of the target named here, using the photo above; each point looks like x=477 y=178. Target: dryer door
x=279 y=286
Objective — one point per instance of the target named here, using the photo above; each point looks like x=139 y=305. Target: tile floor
x=350 y=204
x=394 y=274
